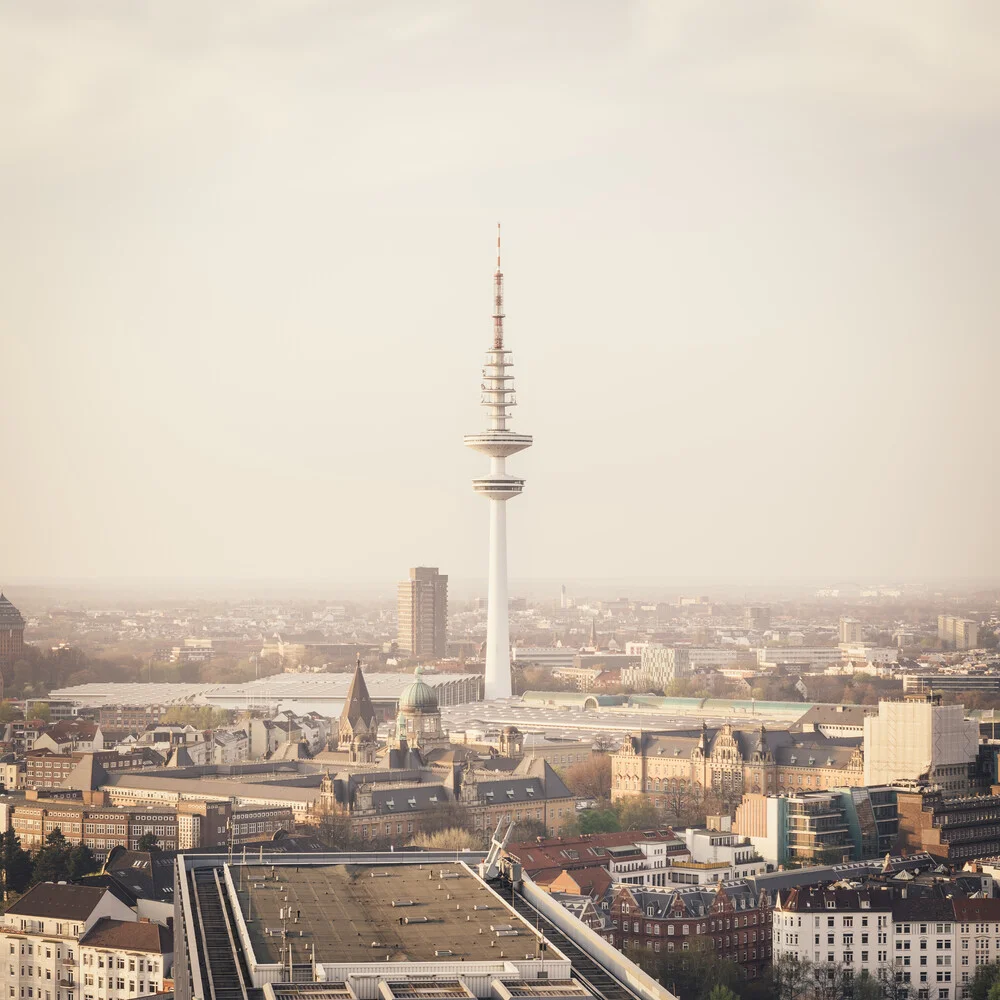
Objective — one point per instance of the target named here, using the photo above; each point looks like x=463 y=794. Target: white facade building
x=805 y=656
x=40 y=939
x=124 y=959
x=843 y=928
x=908 y=739
x=869 y=654
x=931 y=945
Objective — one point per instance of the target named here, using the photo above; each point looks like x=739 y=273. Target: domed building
x=418 y=719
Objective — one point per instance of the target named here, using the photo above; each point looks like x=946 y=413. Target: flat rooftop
x=347 y=912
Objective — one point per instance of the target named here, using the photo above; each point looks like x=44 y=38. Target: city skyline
x=754 y=302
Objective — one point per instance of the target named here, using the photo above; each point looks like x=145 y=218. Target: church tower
x=358 y=723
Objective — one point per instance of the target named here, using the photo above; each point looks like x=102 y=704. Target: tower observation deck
x=499 y=442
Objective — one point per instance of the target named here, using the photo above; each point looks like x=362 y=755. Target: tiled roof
x=809 y=898
x=49 y=899
x=129 y=935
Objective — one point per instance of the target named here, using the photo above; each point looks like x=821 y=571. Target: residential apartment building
x=851 y=630
x=930 y=945
x=423 y=613
x=845 y=929
x=124 y=959
x=958 y=633
x=658 y=666
x=730 y=919
x=40 y=938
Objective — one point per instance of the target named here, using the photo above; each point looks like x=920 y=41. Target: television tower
x=499 y=442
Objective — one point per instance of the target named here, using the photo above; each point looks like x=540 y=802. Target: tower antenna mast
x=498 y=442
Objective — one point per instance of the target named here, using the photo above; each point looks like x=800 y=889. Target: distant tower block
x=499 y=442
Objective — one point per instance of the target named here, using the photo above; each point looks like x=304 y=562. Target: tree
x=9 y=712
x=635 y=812
x=994 y=993
x=51 y=862
x=80 y=861
x=149 y=842
x=598 y=821
x=17 y=864
x=792 y=978
x=334 y=830
x=528 y=829
x=720 y=992
x=985 y=979
x=450 y=840
x=449 y=816
x=590 y=778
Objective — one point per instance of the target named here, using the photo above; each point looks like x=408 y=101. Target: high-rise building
x=499 y=442
x=850 y=630
x=11 y=633
x=758 y=617
x=423 y=612
x=959 y=633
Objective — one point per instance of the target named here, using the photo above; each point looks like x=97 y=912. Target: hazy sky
x=752 y=264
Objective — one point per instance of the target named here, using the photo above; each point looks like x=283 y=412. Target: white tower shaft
x=498 y=442
x=497 y=624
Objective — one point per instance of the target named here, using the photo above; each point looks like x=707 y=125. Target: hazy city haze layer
x=750 y=255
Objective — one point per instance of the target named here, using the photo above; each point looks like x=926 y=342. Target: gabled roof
x=129 y=935
x=144 y=874
x=49 y=899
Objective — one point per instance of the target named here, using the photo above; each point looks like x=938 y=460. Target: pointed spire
x=593 y=632
x=358 y=717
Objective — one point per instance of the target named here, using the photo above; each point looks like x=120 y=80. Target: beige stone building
x=670 y=767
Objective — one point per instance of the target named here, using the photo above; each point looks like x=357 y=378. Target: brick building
x=950 y=829
x=47 y=769
x=98 y=827
x=730 y=920
x=131 y=717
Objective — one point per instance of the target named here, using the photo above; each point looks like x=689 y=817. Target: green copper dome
x=419 y=695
